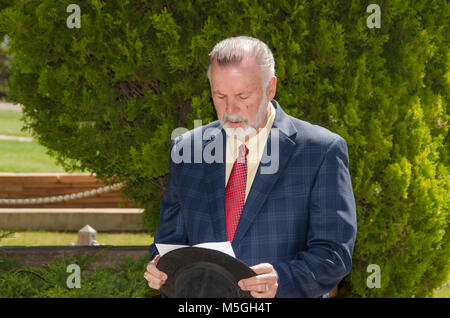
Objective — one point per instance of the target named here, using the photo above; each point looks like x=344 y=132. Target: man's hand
x=154 y=276
x=264 y=284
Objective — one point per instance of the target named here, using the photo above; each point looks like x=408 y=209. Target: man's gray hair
x=231 y=51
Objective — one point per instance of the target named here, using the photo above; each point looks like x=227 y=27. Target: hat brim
x=194 y=272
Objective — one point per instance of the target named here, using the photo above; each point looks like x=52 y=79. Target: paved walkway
x=17 y=138
x=9 y=106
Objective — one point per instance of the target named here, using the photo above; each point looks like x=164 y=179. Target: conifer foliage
x=106 y=97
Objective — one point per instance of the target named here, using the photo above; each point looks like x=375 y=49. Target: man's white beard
x=249 y=128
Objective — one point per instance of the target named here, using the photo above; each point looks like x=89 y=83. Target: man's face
x=239 y=99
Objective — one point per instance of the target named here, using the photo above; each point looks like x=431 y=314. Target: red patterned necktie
x=235 y=192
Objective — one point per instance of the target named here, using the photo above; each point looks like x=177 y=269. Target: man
x=294 y=225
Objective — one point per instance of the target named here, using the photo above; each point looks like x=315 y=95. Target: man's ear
x=271 y=88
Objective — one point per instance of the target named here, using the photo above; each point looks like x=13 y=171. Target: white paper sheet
x=224 y=247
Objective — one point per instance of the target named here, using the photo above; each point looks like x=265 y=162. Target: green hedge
x=50 y=281
x=108 y=95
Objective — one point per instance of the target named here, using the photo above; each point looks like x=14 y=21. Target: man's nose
x=232 y=106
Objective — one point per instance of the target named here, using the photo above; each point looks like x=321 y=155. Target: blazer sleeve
x=171 y=225
x=327 y=258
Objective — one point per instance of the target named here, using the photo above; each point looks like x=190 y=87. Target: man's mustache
x=235 y=117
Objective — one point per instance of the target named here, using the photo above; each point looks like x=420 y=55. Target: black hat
x=195 y=272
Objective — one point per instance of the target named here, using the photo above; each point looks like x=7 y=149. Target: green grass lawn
x=51 y=238
x=22 y=156
x=10 y=123
x=444 y=291
x=26 y=156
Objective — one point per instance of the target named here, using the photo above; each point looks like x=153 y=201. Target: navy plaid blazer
x=301 y=219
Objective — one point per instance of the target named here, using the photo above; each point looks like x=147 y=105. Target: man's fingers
x=154 y=282
x=260 y=290
x=253 y=283
x=262 y=268
x=152 y=270
x=264 y=274
x=264 y=284
x=153 y=275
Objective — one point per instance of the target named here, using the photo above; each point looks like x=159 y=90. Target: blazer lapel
x=281 y=132
x=215 y=184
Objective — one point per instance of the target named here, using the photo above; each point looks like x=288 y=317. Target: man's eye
x=243 y=97
x=220 y=96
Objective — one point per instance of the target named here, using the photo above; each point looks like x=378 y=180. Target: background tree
x=5 y=64
x=105 y=98
x=5 y=60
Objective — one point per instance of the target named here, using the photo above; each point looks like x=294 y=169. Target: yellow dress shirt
x=255 y=146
